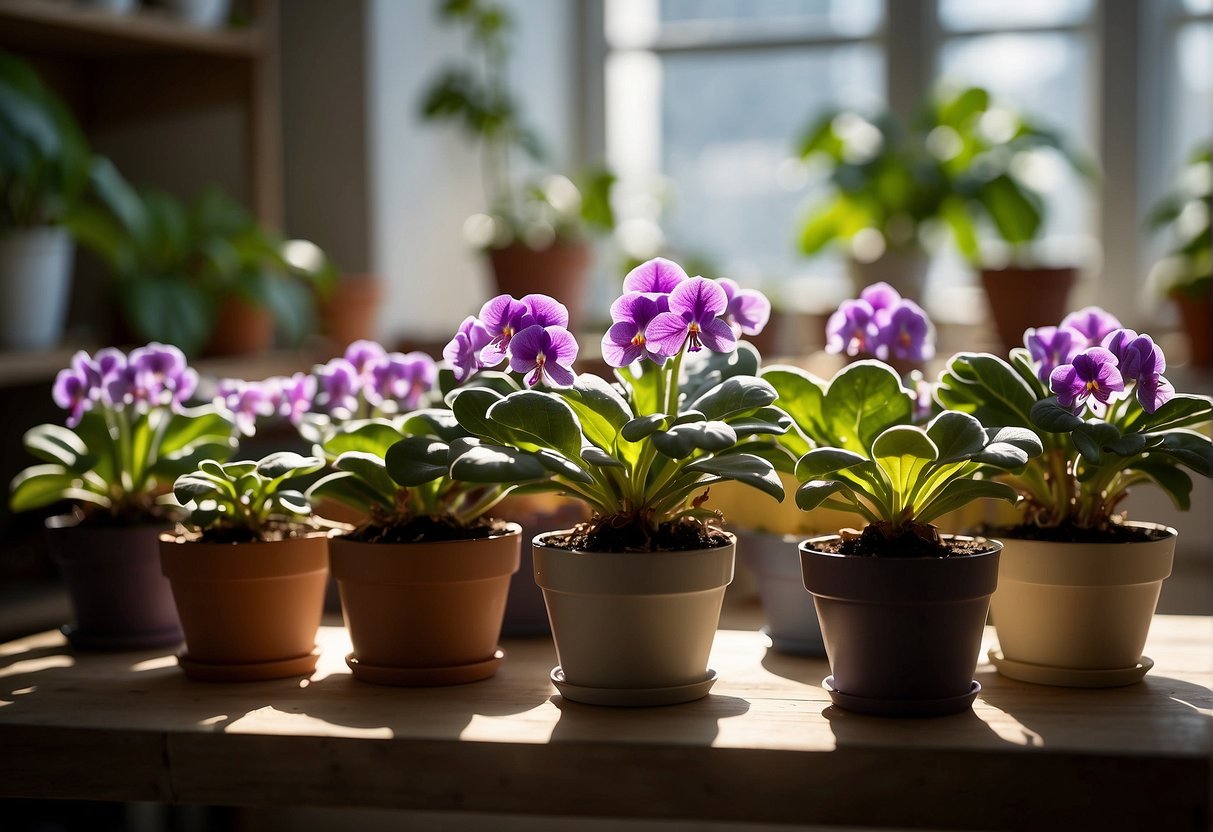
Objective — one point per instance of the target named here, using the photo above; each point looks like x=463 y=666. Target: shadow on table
x=691 y=723
x=804 y=669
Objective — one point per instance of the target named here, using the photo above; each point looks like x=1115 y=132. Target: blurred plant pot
x=1020 y=298
x=561 y=271
x=250 y=611
x=241 y=328
x=1194 y=313
x=902 y=634
x=348 y=313
x=791 y=619
x=1077 y=614
x=120 y=599
x=905 y=269
x=111 y=6
x=205 y=14
x=525 y=612
x=35 y=275
x=422 y=614
x=633 y=628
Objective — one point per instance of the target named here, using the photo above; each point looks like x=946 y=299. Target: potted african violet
x=902 y=607
x=1079 y=582
x=424 y=580
x=248 y=573
x=128 y=436
x=634 y=594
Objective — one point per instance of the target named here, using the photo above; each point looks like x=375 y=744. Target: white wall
x=424 y=179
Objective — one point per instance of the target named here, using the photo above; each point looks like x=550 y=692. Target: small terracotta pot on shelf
x=1026 y=297
x=241 y=328
x=347 y=313
x=560 y=271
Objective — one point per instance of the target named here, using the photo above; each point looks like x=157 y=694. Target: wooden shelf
x=765 y=746
x=64 y=27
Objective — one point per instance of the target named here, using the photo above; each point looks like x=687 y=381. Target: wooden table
x=765 y=746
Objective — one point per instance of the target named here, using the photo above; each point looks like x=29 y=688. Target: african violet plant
x=246 y=501
x=857 y=449
x=883 y=324
x=1108 y=419
x=640 y=452
x=128 y=436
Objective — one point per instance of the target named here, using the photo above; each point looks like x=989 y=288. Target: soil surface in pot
x=1068 y=533
x=269 y=533
x=427 y=530
x=917 y=541
x=605 y=536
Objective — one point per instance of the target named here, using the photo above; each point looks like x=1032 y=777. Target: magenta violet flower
x=401 y=380
x=75 y=388
x=546 y=353
x=1142 y=361
x=692 y=320
x=1092 y=374
x=747 y=311
x=907 y=335
x=881 y=296
x=625 y=341
x=364 y=355
x=1052 y=346
x=297 y=395
x=463 y=351
x=852 y=329
x=338 y=384
x=656 y=275
x=502 y=317
x=1094 y=323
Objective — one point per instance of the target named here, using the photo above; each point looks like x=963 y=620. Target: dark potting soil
x=918 y=540
x=614 y=536
x=1068 y=533
x=270 y=533
x=427 y=530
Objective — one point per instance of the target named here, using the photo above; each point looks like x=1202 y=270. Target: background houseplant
x=534 y=233
x=1185 y=274
x=901 y=608
x=642 y=454
x=1079 y=586
x=44 y=163
x=128 y=436
x=203 y=276
x=249 y=579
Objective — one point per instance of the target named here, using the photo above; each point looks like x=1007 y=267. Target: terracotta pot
x=791 y=620
x=241 y=328
x=249 y=610
x=905 y=269
x=633 y=628
x=1077 y=614
x=425 y=613
x=348 y=313
x=561 y=271
x=120 y=599
x=1020 y=298
x=1195 y=313
x=902 y=634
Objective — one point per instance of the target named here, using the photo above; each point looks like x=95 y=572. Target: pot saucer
x=84 y=640
x=809 y=648
x=425 y=677
x=632 y=697
x=1040 y=674
x=249 y=671
x=902 y=707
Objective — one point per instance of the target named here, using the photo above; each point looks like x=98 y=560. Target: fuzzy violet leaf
x=244 y=501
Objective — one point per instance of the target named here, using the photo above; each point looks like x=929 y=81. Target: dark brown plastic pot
x=120 y=599
x=561 y=271
x=1020 y=298
x=902 y=634
x=425 y=613
x=249 y=610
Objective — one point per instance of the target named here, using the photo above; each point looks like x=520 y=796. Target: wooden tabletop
x=766 y=745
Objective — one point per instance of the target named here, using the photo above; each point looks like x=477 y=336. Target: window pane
x=1001 y=14
x=1199 y=6
x=729 y=124
x=840 y=16
x=1193 y=104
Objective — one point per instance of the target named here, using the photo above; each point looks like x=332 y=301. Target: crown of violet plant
x=1108 y=419
x=642 y=450
x=882 y=324
x=128 y=435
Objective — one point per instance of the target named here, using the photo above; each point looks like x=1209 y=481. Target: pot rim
x=994 y=544
x=191 y=539
x=1168 y=532
x=512 y=529
x=537 y=541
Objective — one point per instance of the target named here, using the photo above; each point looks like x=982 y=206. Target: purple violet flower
x=546 y=353
x=108 y=361
x=502 y=317
x=162 y=368
x=1093 y=373
x=625 y=341
x=401 y=379
x=364 y=355
x=463 y=351
x=747 y=311
x=75 y=388
x=1052 y=346
x=1141 y=360
x=337 y=384
x=1094 y=323
x=881 y=296
x=656 y=275
x=852 y=329
x=247 y=401
x=547 y=311
x=907 y=335
x=296 y=395
x=692 y=320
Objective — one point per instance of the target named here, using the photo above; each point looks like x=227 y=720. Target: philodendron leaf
x=496 y=464
x=733 y=396
x=862 y=401
x=821 y=461
x=369 y=468
x=957 y=435
x=55 y=443
x=543 y=418
x=415 y=460
x=1051 y=416
x=752 y=470
x=642 y=426
x=812 y=494
x=683 y=440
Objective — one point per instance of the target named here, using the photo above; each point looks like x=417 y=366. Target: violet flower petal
x=656 y=275
x=747 y=310
x=544 y=353
x=547 y=311
x=880 y=296
x=1052 y=346
x=1094 y=323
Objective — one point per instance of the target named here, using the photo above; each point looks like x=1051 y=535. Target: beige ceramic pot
x=633 y=628
x=425 y=613
x=1077 y=614
x=249 y=611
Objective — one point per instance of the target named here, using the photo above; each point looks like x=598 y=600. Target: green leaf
x=192 y=426
x=800 y=396
x=41 y=485
x=600 y=409
x=168 y=468
x=1192 y=449
x=1174 y=482
x=812 y=494
x=600 y=458
x=988 y=388
x=563 y=467
x=433 y=421
x=821 y=461
x=734 y=396
x=101 y=442
x=957 y=435
x=1181 y=411
x=496 y=464
x=1013 y=209
x=196 y=488
x=284 y=464
x=346 y=489
x=541 y=417
x=744 y=468
x=370 y=469
x=642 y=379
x=372 y=436
x=682 y=440
x=642 y=426
x=766 y=421
x=416 y=460
x=862 y=401
x=55 y=443
x=1051 y=416
x=958 y=493
x=471 y=406
x=904 y=441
